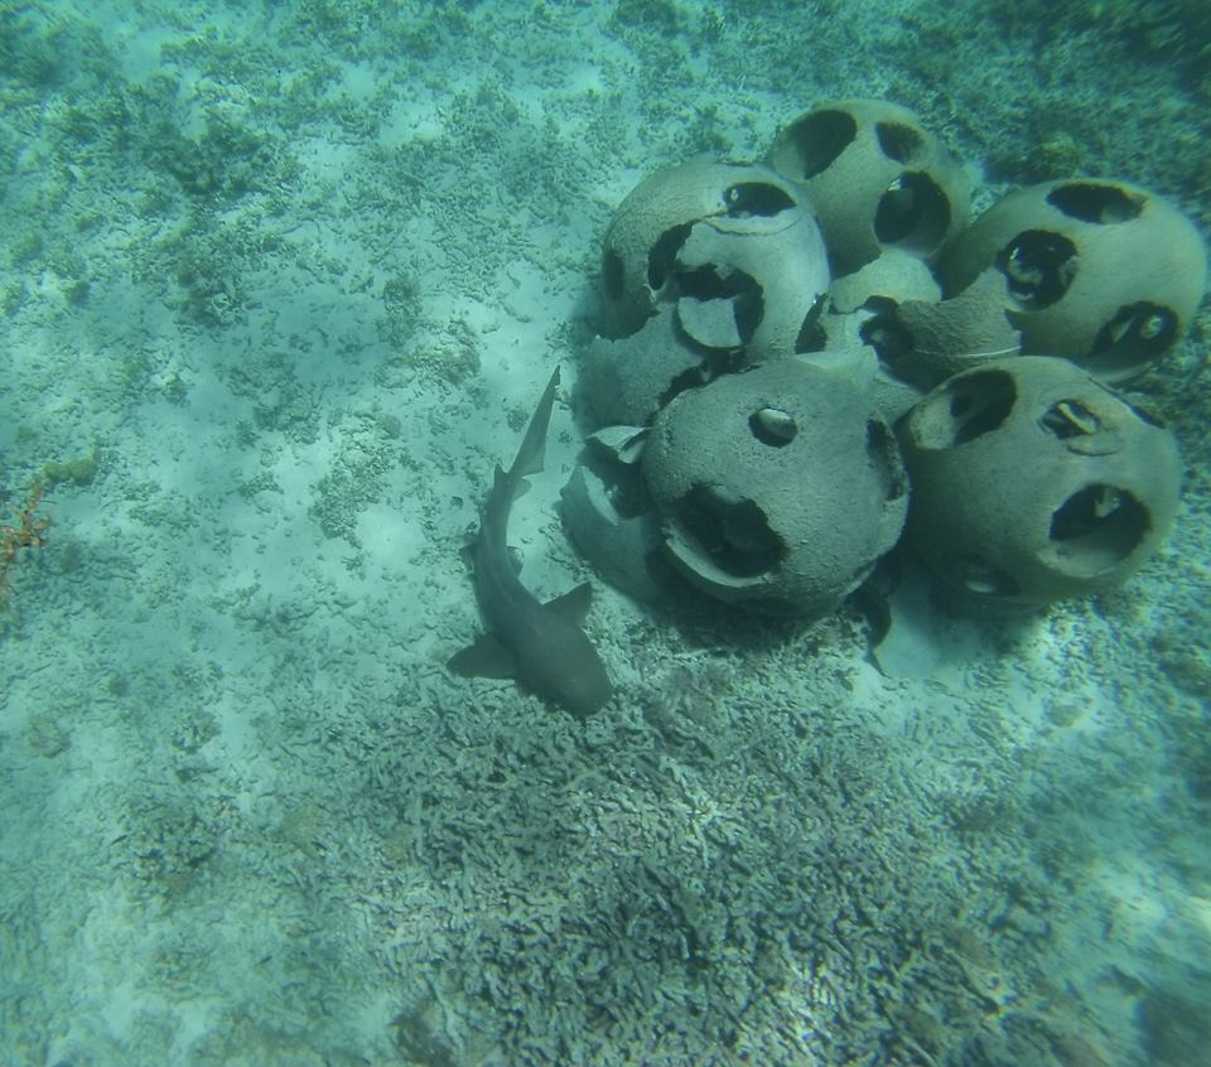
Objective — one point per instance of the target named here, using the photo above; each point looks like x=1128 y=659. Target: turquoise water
x=279 y=285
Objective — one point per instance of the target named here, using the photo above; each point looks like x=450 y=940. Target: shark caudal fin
x=534 y=445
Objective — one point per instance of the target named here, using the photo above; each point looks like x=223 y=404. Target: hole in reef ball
x=773 y=427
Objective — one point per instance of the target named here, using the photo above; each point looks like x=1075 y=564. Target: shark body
x=542 y=645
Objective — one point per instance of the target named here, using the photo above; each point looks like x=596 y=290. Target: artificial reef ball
x=876 y=178
x=624 y=382
x=778 y=487
x=1103 y=273
x=734 y=248
x=1033 y=482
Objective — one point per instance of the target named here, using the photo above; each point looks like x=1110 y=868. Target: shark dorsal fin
x=572 y=605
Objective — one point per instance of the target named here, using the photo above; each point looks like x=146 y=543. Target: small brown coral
x=28 y=531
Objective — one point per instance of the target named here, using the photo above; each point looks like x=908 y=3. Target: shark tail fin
x=534 y=445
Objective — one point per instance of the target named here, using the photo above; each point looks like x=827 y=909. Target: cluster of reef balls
x=805 y=362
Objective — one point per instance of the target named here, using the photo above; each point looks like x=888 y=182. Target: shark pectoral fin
x=572 y=605
x=486 y=658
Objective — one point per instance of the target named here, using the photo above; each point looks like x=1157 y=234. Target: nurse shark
x=541 y=645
